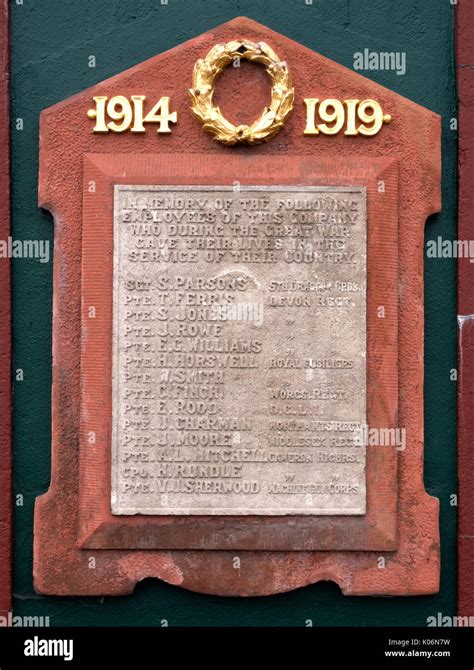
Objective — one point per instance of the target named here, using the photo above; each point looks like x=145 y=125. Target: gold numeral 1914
x=120 y=114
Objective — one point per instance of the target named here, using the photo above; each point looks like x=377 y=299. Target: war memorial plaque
x=239 y=358
x=237 y=326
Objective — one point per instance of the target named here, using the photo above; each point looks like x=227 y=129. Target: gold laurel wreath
x=270 y=122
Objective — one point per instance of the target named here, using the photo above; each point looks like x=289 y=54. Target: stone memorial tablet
x=238 y=326
x=239 y=350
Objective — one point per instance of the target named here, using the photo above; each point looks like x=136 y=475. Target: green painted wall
x=51 y=42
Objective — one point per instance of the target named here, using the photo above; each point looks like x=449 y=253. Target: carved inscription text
x=239 y=350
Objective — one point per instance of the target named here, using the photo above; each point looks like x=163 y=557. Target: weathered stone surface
x=239 y=350
x=75 y=513
x=99 y=528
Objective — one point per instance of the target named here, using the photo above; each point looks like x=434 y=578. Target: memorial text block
x=239 y=350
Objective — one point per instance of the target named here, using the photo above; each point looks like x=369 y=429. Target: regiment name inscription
x=239 y=350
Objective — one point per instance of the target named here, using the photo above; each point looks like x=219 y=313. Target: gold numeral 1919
x=358 y=117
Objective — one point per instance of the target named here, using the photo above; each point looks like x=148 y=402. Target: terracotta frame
x=376 y=530
x=412 y=140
